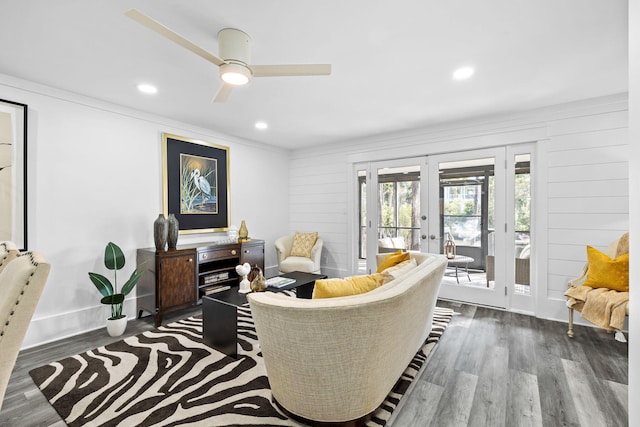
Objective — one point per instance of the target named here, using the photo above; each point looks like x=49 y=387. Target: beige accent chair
x=345 y=354
x=21 y=282
x=287 y=263
x=8 y=251
x=615 y=248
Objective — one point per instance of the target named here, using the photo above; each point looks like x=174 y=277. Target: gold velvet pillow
x=605 y=272
x=303 y=243
x=392 y=259
x=330 y=288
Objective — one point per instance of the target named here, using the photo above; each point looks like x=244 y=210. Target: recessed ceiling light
x=147 y=88
x=261 y=125
x=463 y=73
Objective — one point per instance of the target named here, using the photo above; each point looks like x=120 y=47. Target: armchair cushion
x=303 y=243
x=605 y=272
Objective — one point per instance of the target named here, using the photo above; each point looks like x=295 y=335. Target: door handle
x=433 y=237
x=424 y=236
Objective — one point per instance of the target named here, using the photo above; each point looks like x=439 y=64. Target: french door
x=467 y=211
x=478 y=202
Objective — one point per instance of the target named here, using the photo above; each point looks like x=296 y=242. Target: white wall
x=95 y=176
x=582 y=183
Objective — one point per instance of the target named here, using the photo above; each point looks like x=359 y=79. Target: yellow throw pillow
x=392 y=259
x=330 y=288
x=605 y=272
x=303 y=243
x=399 y=270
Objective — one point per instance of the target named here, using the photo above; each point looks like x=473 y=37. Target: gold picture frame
x=195 y=177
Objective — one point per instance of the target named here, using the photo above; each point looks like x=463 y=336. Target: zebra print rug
x=168 y=377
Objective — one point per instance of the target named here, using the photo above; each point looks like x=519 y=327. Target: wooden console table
x=178 y=278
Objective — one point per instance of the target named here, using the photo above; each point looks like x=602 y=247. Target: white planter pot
x=116 y=327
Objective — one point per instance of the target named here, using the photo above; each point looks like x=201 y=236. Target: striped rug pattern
x=168 y=377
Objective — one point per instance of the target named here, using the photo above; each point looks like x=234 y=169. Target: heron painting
x=198 y=185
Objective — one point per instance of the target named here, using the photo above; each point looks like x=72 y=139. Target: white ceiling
x=392 y=60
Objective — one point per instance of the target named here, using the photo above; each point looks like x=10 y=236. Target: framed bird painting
x=196 y=183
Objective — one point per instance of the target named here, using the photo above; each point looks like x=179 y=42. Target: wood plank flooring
x=496 y=368
x=491 y=368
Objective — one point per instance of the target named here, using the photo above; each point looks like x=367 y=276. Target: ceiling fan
x=234 y=55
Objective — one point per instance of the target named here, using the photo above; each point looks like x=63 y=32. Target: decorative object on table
x=258 y=282
x=196 y=183
x=160 y=232
x=13 y=180
x=232 y=233
x=449 y=247
x=172 y=232
x=243 y=233
x=114 y=260
x=243 y=270
x=279 y=282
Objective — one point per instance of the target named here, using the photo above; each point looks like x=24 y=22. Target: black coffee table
x=220 y=311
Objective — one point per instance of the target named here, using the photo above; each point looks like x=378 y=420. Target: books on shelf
x=216 y=277
x=279 y=282
x=215 y=289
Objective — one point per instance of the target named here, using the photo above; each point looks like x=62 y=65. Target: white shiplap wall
x=582 y=183
x=588 y=193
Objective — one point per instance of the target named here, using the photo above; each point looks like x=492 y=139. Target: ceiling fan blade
x=223 y=93
x=290 y=70
x=154 y=25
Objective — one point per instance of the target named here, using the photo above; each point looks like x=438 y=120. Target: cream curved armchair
x=605 y=311
x=8 y=251
x=288 y=263
x=21 y=282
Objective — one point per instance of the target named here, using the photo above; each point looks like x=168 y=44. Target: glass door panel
x=361 y=262
x=399 y=208
x=520 y=243
x=471 y=195
x=522 y=223
x=390 y=200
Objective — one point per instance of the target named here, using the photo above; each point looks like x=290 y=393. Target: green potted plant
x=114 y=260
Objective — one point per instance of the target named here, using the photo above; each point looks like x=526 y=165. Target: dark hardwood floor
x=491 y=368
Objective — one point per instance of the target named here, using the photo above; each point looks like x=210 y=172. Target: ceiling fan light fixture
x=235 y=74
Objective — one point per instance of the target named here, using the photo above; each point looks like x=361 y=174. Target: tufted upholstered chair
x=21 y=281
x=8 y=251
x=287 y=263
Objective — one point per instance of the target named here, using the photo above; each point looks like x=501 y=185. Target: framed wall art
x=13 y=173
x=196 y=183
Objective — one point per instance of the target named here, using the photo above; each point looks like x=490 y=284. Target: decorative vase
x=160 y=232
x=172 y=234
x=243 y=233
x=116 y=327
